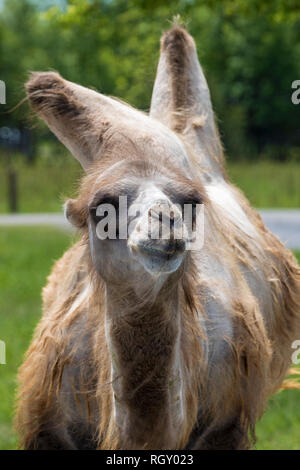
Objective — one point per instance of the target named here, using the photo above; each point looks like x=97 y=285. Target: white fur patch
x=221 y=194
x=78 y=301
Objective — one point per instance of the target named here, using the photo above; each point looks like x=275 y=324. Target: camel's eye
x=192 y=199
x=102 y=205
x=107 y=199
x=104 y=200
x=189 y=205
x=183 y=194
x=104 y=210
x=194 y=202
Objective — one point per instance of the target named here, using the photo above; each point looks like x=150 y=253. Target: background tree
x=250 y=52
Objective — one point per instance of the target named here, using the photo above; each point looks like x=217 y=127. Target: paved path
x=57 y=220
x=284 y=223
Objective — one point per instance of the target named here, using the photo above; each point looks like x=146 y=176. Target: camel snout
x=163 y=248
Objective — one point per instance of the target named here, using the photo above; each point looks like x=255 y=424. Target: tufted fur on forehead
x=114 y=173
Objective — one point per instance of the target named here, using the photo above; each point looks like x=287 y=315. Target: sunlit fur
x=238 y=297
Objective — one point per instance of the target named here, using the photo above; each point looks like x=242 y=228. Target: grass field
x=42 y=187
x=268 y=184
x=26 y=255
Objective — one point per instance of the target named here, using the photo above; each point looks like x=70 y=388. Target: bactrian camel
x=144 y=344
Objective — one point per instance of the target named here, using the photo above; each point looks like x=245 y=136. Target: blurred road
x=284 y=223
x=57 y=220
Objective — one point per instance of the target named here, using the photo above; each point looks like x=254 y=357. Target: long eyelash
x=114 y=201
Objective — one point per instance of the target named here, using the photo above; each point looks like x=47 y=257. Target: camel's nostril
x=180 y=245
x=172 y=220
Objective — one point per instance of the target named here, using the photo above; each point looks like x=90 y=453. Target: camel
x=145 y=344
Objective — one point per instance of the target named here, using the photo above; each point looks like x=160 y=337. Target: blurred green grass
x=268 y=184
x=26 y=256
x=43 y=186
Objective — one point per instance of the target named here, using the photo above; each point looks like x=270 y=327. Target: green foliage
x=250 y=52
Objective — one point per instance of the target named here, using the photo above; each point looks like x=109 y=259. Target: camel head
x=138 y=185
x=142 y=235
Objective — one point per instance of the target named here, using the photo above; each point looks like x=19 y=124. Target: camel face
x=157 y=251
x=136 y=221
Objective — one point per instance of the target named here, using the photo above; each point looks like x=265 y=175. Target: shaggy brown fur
x=66 y=397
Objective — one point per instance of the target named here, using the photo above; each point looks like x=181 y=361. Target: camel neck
x=144 y=345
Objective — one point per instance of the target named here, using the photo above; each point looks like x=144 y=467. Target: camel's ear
x=75 y=213
x=181 y=97
x=65 y=108
x=78 y=116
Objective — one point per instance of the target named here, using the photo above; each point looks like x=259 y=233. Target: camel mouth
x=164 y=257
x=164 y=250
